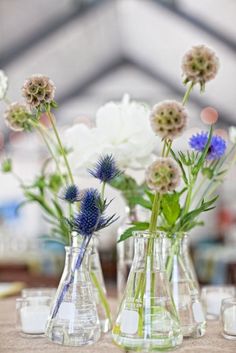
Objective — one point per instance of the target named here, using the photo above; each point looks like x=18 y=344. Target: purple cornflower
x=217 y=147
x=105 y=169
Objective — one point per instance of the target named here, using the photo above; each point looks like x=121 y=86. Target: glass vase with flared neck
x=96 y=274
x=184 y=284
x=73 y=319
x=147 y=319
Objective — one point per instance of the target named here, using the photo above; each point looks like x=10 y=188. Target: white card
x=129 y=322
x=66 y=311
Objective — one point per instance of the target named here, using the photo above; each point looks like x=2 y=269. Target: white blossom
x=122 y=129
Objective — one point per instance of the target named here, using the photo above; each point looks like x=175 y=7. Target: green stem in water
x=187 y=93
x=155 y=212
x=60 y=146
x=102 y=296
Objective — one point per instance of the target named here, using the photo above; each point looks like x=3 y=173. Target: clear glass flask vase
x=73 y=320
x=147 y=319
x=184 y=285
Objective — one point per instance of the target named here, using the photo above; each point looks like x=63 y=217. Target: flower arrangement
x=180 y=185
x=86 y=211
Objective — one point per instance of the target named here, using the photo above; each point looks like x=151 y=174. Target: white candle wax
x=34 y=318
x=214 y=302
x=230 y=320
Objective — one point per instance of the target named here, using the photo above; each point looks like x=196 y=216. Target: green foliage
x=130 y=189
x=170 y=207
x=7 y=165
x=137 y=226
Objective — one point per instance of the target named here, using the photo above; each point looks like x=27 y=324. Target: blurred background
x=95 y=51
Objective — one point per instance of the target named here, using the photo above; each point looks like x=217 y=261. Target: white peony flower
x=122 y=129
x=3 y=84
x=232 y=134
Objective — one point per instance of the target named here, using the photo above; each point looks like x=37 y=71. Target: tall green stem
x=41 y=132
x=187 y=93
x=60 y=146
x=155 y=212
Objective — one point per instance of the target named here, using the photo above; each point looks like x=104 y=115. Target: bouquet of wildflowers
x=181 y=185
x=86 y=212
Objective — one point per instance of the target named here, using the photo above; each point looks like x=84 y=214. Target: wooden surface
x=12 y=342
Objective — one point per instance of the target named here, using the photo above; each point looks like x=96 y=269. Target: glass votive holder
x=228 y=318
x=38 y=292
x=212 y=297
x=32 y=314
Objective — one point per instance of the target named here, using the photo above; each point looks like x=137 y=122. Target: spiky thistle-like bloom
x=105 y=169
x=199 y=65
x=38 y=90
x=86 y=221
x=168 y=119
x=217 y=147
x=163 y=175
x=71 y=194
x=18 y=117
x=3 y=84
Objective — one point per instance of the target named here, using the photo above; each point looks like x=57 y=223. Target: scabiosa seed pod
x=105 y=169
x=199 y=65
x=168 y=119
x=18 y=117
x=38 y=90
x=71 y=194
x=163 y=175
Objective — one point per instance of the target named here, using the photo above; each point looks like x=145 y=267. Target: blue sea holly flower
x=217 y=147
x=71 y=194
x=105 y=169
x=86 y=221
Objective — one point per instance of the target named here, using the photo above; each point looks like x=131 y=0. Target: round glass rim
x=158 y=234
x=33 y=299
x=229 y=300
x=224 y=287
x=77 y=248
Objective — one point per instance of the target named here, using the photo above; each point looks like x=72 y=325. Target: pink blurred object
x=84 y=120
x=209 y=116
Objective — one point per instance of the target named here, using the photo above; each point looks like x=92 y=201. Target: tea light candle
x=32 y=314
x=229 y=318
x=212 y=297
x=34 y=318
x=213 y=301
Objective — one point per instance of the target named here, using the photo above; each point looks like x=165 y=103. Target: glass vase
x=96 y=274
x=184 y=285
x=125 y=252
x=147 y=319
x=73 y=319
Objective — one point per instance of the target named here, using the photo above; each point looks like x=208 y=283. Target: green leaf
x=139 y=200
x=170 y=207
x=7 y=165
x=129 y=232
x=40 y=200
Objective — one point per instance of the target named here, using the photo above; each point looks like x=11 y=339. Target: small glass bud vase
x=147 y=319
x=73 y=319
x=184 y=285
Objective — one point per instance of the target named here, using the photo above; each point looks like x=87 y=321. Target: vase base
x=79 y=337
x=147 y=345
x=195 y=331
